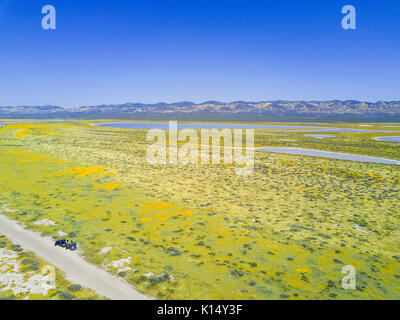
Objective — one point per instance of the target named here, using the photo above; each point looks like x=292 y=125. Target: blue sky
x=151 y=51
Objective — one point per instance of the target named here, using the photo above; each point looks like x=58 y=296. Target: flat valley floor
x=200 y=231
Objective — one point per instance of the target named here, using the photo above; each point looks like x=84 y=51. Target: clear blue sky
x=151 y=51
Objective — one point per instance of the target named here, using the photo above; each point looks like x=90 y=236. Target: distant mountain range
x=350 y=108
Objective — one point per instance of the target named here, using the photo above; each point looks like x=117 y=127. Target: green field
x=285 y=231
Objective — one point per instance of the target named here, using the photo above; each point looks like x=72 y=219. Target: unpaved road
x=76 y=269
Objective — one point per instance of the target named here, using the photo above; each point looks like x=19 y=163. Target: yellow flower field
x=286 y=230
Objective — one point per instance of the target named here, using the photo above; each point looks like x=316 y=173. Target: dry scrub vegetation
x=201 y=232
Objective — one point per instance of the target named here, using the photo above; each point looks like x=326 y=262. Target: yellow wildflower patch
x=303 y=270
x=22 y=134
x=85 y=171
x=25 y=131
x=289 y=163
x=158 y=205
x=107 y=186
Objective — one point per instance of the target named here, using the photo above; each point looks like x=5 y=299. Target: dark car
x=71 y=246
x=61 y=243
x=68 y=245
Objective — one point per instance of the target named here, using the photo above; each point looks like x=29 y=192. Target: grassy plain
x=199 y=231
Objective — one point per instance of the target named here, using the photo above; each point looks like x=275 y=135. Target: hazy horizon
x=196 y=103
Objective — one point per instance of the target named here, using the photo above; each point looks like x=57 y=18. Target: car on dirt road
x=69 y=245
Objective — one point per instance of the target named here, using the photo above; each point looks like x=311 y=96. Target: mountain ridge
x=240 y=107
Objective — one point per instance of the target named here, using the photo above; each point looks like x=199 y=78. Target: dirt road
x=76 y=269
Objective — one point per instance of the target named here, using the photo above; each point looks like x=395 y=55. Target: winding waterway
x=388 y=139
x=279 y=128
